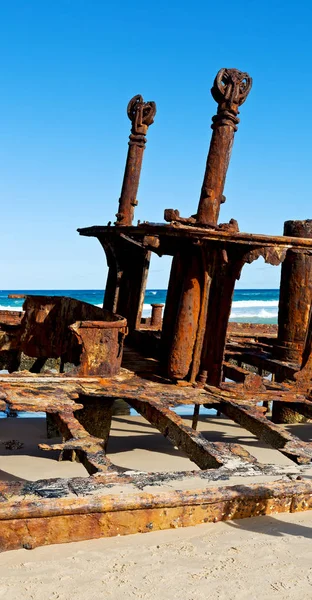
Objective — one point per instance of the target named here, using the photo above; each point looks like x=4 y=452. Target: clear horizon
x=69 y=69
x=103 y=289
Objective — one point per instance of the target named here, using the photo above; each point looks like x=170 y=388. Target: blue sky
x=69 y=68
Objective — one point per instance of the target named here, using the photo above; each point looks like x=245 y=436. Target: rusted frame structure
x=53 y=511
x=194 y=349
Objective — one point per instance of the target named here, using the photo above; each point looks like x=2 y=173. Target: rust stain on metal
x=141 y=115
x=39 y=514
x=230 y=89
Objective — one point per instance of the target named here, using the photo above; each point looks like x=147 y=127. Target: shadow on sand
x=272 y=526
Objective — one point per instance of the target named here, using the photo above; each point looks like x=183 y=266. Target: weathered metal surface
x=275 y=436
x=9 y=318
x=173 y=240
x=53 y=522
x=16 y=296
x=177 y=234
x=101 y=345
x=303 y=377
x=285 y=413
x=226 y=272
x=295 y=295
x=156 y=316
x=205 y=454
x=141 y=115
x=187 y=315
x=230 y=89
x=87 y=337
x=154 y=400
x=128 y=264
x=61 y=511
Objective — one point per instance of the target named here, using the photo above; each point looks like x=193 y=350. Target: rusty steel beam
x=19 y=389
x=261 y=360
x=234 y=372
x=266 y=431
x=78 y=407
x=141 y=115
x=205 y=454
x=41 y=513
x=153 y=401
x=230 y=89
x=176 y=234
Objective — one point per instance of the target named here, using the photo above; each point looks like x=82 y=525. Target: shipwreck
x=186 y=353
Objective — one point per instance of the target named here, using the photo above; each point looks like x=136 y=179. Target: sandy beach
x=265 y=557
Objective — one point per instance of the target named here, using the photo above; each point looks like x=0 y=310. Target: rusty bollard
x=141 y=115
x=230 y=89
x=156 y=318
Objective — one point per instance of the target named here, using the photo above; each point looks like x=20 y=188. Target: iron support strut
x=192 y=272
x=230 y=89
x=141 y=114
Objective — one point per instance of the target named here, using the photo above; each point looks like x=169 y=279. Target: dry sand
x=267 y=557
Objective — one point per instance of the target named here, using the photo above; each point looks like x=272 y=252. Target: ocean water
x=249 y=306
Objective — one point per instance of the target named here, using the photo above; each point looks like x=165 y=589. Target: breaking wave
x=10 y=307
x=254 y=303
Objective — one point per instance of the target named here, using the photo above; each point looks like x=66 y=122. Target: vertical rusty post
x=294 y=310
x=156 y=318
x=171 y=307
x=128 y=262
x=304 y=376
x=295 y=295
x=141 y=115
x=227 y=270
x=188 y=312
x=307 y=352
x=185 y=323
x=230 y=89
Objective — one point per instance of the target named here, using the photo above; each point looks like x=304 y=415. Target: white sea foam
x=147 y=310
x=244 y=309
x=254 y=303
x=10 y=307
x=260 y=314
x=260 y=309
